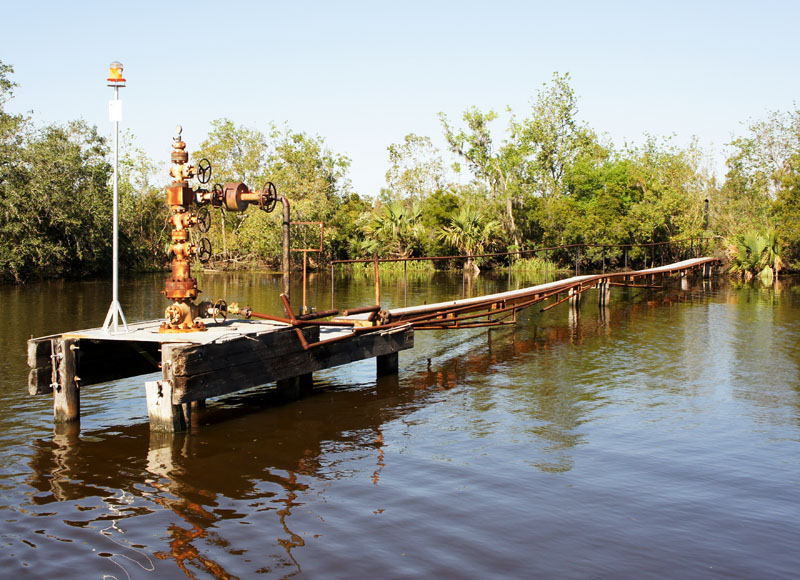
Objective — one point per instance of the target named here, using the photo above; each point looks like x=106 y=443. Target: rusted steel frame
x=582 y=286
x=462 y=326
x=360 y=310
x=624 y=285
x=377 y=268
x=581 y=290
x=285 y=255
x=271 y=317
x=295 y=321
x=428 y=317
x=303 y=342
x=417 y=259
x=431 y=316
x=343 y=323
x=299 y=322
x=508 y=310
x=287 y=306
x=306 y=345
x=482 y=304
x=456 y=322
x=319 y=314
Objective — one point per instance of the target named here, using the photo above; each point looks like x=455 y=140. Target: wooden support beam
x=387 y=364
x=40 y=361
x=184 y=359
x=66 y=392
x=202 y=371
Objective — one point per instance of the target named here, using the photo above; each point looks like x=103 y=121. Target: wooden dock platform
x=227 y=357
x=239 y=354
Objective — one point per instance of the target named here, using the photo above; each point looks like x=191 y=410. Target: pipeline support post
x=377 y=282
x=286 y=244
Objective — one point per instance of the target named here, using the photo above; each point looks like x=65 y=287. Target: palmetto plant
x=397 y=228
x=470 y=231
x=757 y=253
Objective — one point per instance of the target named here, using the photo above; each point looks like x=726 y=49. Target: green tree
x=416 y=169
x=142 y=208
x=757 y=254
x=760 y=162
x=237 y=153
x=56 y=216
x=314 y=179
x=673 y=186
x=550 y=140
x=498 y=171
x=785 y=212
x=533 y=160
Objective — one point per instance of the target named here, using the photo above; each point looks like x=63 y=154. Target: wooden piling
x=66 y=391
x=164 y=415
x=387 y=364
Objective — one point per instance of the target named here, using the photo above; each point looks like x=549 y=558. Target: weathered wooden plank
x=39 y=380
x=221 y=356
x=258 y=371
x=40 y=350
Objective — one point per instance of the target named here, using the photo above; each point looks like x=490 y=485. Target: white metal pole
x=111 y=323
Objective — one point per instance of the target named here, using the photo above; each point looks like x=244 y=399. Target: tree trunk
x=512 y=224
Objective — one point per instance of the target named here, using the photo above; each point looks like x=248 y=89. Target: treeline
x=545 y=179
x=55 y=192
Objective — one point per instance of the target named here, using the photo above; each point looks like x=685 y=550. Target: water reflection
x=481 y=434
x=247 y=456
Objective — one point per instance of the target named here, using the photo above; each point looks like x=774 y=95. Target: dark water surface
x=659 y=438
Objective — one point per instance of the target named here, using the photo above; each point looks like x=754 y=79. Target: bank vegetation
x=542 y=179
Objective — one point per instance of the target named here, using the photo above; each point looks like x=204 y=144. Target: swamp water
x=657 y=438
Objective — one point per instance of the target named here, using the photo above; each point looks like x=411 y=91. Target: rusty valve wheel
x=384 y=316
x=204 y=171
x=204 y=251
x=203 y=219
x=220 y=311
x=269 y=197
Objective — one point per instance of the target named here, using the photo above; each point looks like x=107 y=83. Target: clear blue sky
x=364 y=74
